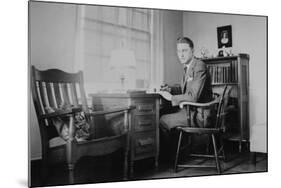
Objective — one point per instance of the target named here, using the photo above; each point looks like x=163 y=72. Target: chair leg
x=222 y=149
x=177 y=153
x=208 y=144
x=125 y=175
x=71 y=173
x=131 y=172
x=190 y=143
x=216 y=154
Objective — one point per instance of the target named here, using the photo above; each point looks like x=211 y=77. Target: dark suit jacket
x=196 y=84
x=196 y=87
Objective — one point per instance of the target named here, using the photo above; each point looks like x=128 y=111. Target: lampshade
x=122 y=58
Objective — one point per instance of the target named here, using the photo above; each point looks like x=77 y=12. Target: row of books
x=224 y=72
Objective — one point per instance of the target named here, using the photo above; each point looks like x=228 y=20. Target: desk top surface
x=125 y=95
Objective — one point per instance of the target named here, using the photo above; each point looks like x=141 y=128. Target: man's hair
x=185 y=40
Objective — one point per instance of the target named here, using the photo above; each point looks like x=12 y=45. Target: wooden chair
x=218 y=129
x=52 y=87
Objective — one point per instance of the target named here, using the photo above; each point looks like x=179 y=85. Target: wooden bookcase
x=233 y=71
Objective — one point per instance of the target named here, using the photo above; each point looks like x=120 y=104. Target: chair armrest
x=60 y=113
x=202 y=105
x=115 y=110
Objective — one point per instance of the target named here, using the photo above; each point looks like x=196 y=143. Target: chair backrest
x=53 y=88
x=223 y=100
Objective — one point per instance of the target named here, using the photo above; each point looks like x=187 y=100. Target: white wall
x=52 y=27
x=172 y=29
x=52 y=42
x=248 y=36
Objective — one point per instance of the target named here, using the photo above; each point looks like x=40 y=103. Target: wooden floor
x=108 y=169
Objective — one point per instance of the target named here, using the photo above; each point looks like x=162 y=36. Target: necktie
x=184 y=83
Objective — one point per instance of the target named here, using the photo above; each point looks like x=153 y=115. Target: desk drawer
x=145 y=144
x=144 y=105
x=99 y=103
x=144 y=122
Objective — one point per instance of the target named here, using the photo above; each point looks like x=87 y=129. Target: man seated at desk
x=195 y=87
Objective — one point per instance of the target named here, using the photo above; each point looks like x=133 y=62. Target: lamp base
x=122 y=79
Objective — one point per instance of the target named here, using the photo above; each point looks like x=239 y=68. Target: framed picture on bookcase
x=224 y=36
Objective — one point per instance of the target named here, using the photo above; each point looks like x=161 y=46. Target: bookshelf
x=233 y=71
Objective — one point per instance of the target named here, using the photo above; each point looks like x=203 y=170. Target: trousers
x=199 y=118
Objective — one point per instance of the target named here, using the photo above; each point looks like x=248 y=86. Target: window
x=104 y=29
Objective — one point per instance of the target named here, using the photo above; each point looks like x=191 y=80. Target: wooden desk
x=144 y=125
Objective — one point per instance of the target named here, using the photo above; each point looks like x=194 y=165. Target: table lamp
x=122 y=59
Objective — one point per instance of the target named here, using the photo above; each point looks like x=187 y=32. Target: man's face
x=185 y=53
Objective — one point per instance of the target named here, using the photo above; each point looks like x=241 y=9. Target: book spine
x=236 y=70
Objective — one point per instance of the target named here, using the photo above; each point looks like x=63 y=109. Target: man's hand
x=165 y=87
x=166 y=95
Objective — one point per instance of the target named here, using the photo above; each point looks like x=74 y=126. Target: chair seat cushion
x=56 y=141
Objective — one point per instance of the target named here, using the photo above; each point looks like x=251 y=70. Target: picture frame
x=224 y=35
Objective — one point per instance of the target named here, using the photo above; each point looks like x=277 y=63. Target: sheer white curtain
x=157 y=49
x=100 y=30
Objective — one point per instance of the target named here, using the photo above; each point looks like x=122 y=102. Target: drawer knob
x=145 y=142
